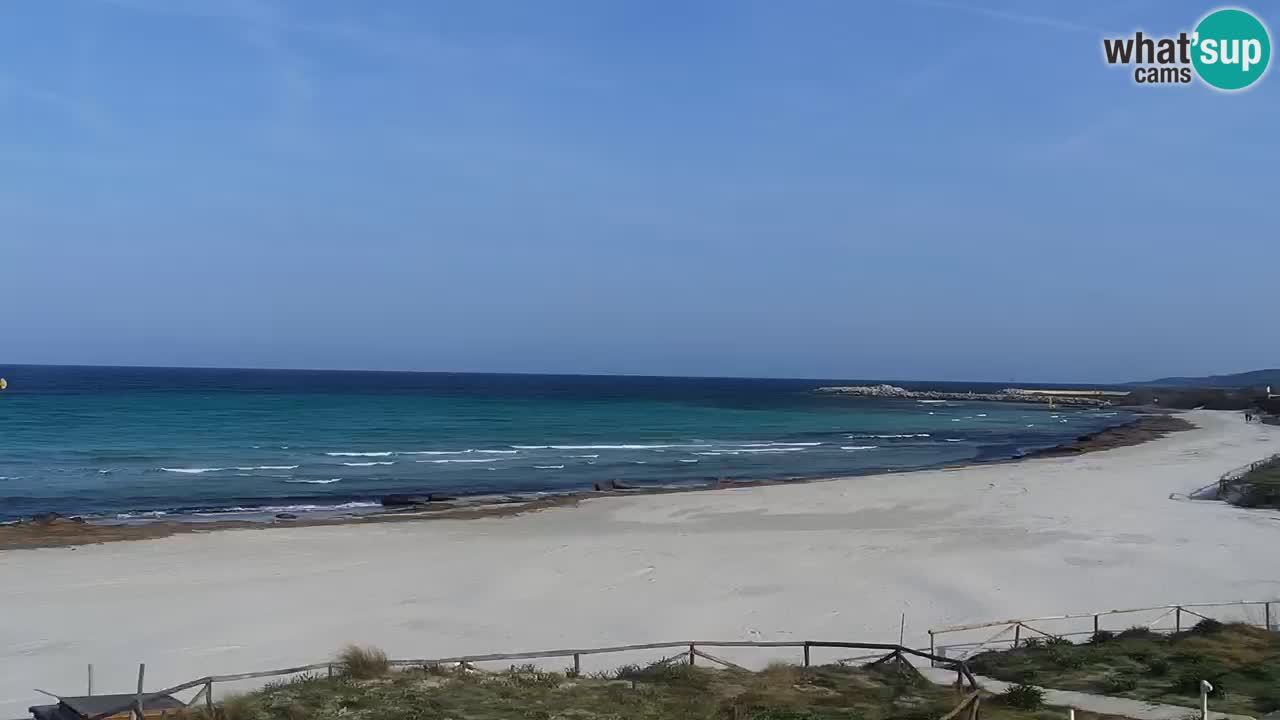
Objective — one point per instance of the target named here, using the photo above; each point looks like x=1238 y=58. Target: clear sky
x=950 y=189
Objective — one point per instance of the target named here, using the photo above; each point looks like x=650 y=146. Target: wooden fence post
x=1268 y=617
x=90 y=678
x=1017 y=633
x=208 y=699
x=806 y=653
x=1177 y=619
x=577 y=665
x=142 y=669
x=932 y=662
x=691 y=653
x=1095 y=624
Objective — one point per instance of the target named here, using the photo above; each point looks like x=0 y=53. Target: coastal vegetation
x=1259 y=487
x=1241 y=661
x=1187 y=398
x=659 y=691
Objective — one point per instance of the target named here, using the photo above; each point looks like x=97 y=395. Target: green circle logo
x=1232 y=49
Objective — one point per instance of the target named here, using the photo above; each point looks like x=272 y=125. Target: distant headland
x=1087 y=398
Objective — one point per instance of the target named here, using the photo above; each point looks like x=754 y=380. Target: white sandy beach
x=828 y=560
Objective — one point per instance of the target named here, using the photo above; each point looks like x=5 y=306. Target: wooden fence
x=1178 y=617
x=690 y=651
x=1232 y=476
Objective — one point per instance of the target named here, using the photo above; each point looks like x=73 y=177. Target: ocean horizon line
x=545 y=374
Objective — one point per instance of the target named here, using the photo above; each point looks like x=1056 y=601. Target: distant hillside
x=1252 y=379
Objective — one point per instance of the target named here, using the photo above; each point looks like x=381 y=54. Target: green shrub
x=1023 y=676
x=1068 y=658
x=528 y=675
x=1022 y=697
x=1055 y=641
x=1267 y=701
x=666 y=673
x=1158 y=667
x=1187 y=681
x=1119 y=682
x=1102 y=636
x=1208 y=626
x=363 y=663
x=1138 y=632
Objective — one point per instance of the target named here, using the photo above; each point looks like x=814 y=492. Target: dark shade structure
x=79 y=708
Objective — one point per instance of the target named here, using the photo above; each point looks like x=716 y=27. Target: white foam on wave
x=982 y=414
x=192 y=471
x=955 y=439
x=931 y=402
x=548 y=467
x=141 y=514
x=629 y=446
x=859 y=447
x=269 y=467
x=384 y=453
x=585 y=456
x=776 y=444
x=458 y=452
x=370 y=463
x=288 y=508
x=459 y=460
x=330 y=481
x=771 y=450
x=891 y=436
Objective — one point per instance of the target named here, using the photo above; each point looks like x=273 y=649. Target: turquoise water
x=136 y=443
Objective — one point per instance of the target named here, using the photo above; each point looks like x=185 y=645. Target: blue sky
x=951 y=189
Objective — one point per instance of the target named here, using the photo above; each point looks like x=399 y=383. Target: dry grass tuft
x=363 y=663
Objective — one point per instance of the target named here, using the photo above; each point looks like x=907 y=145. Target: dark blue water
x=152 y=442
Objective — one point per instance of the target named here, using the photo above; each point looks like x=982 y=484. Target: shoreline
x=70 y=531
x=1047 y=536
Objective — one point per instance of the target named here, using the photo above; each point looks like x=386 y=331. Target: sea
x=118 y=444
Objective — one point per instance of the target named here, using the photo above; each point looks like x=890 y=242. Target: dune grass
x=1259 y=487
x=363 y=663
x=1241 y=661
x=667 y=691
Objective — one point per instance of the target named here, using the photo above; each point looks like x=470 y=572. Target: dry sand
x=827 y=560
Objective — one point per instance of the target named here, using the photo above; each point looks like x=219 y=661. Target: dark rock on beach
x=1147 y=427
x=406 y=500
x=286 y=516
x=53 y=518
x=611 y=485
